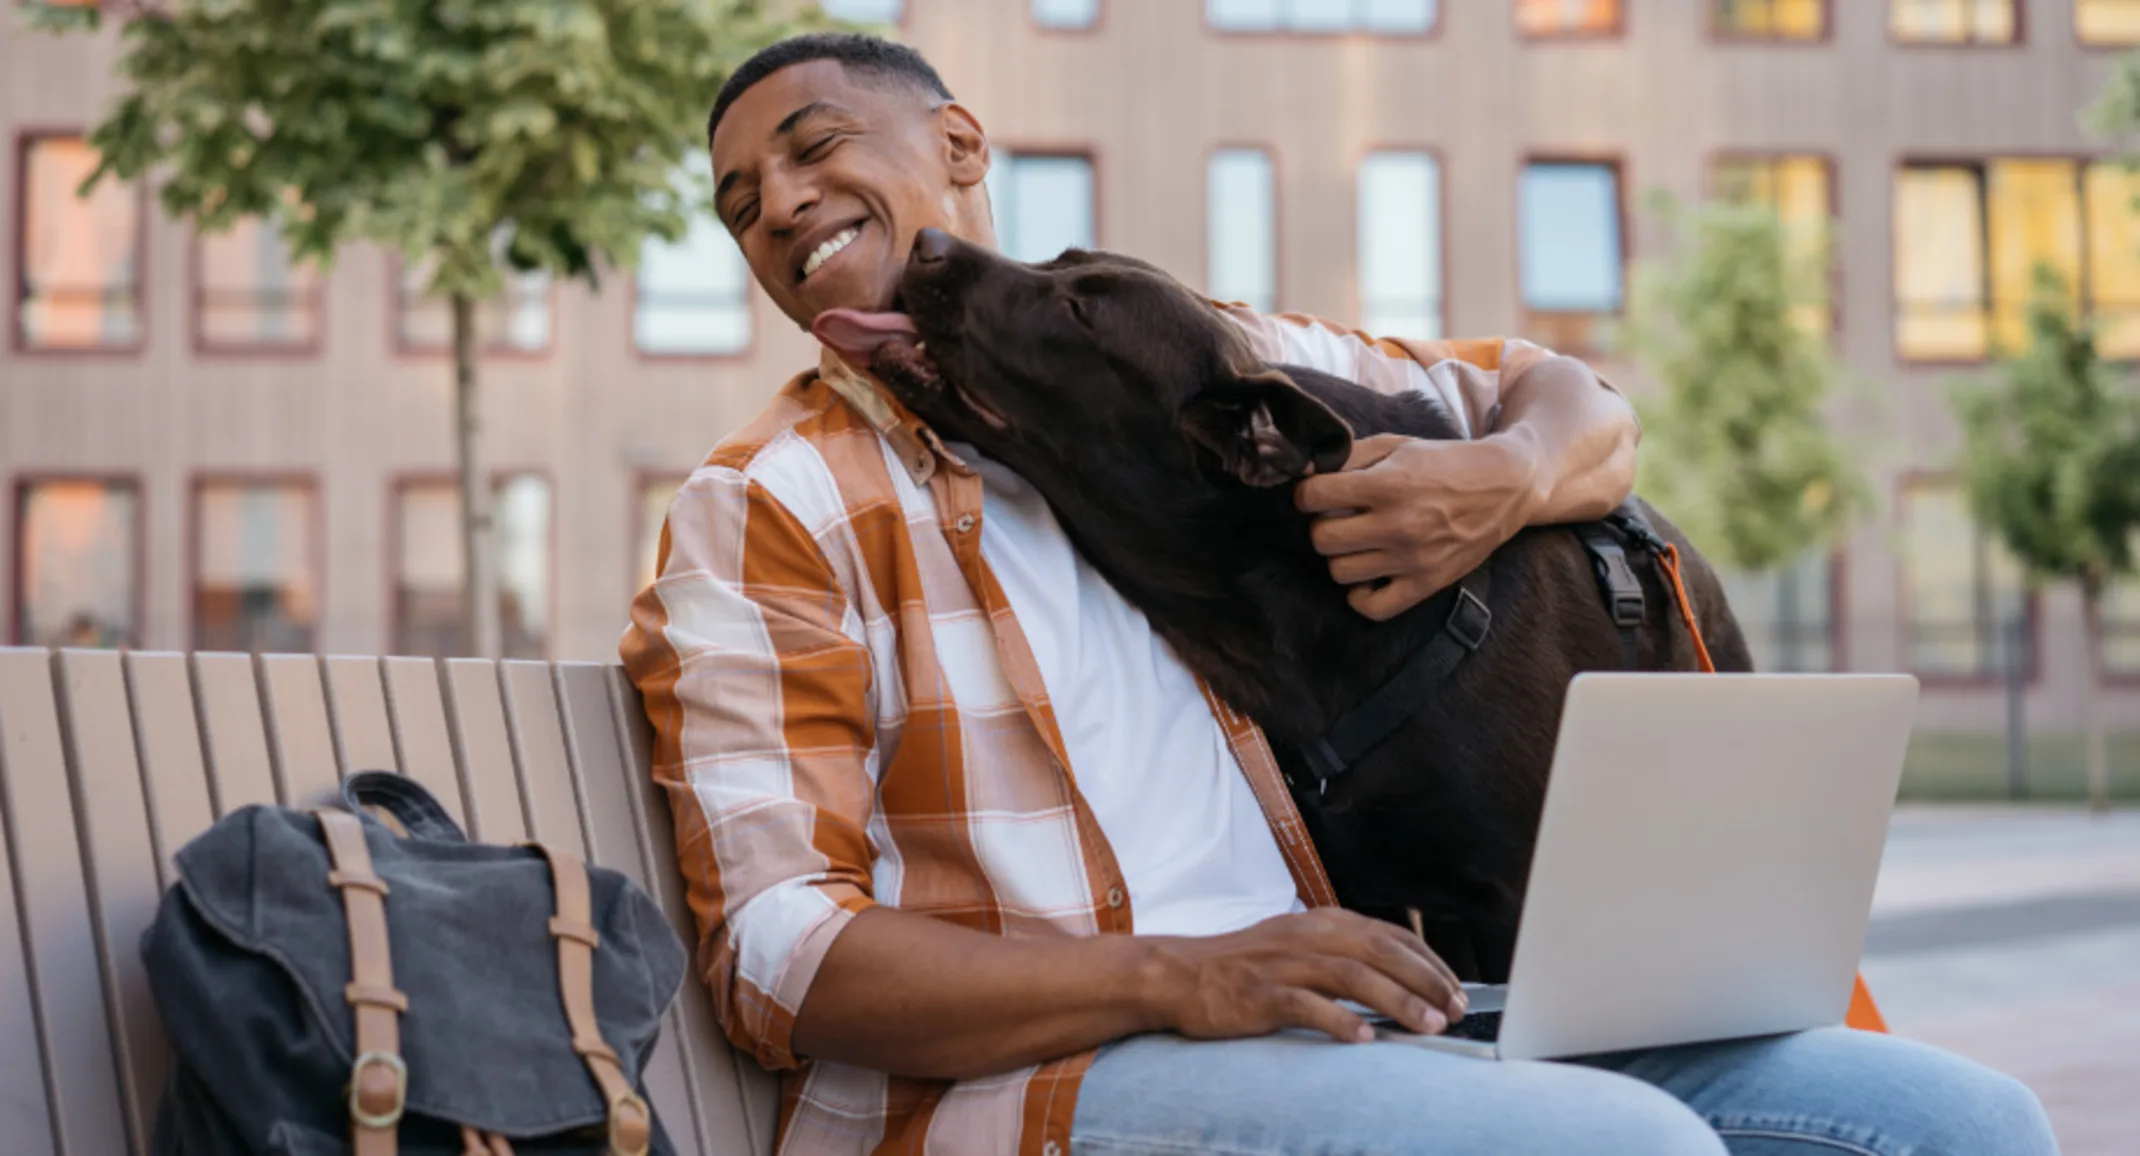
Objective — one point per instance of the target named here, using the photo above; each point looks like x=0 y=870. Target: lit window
x=1787 y=614
x=2109 y=192
x=77 y=278
x=1801 y=191
x=1042 y=204
x=1771 y=19
x=1241 y=223
x=1568 y=17
x=430 y=572
x=1571 y=266
x=864 y=11
x=655 y=494
x=517 y=320
x=1954 y=21
x=694 y=294
x=1065 y=13
x=250 y=293
x=77 y=563
x=1398 y=246
x=1962 y=590
x=1384 y=16
x=2107 y=22
x=254 y=583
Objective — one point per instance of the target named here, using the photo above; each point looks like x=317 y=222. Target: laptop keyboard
x=1482 y=1026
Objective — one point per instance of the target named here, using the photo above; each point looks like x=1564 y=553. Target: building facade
x=204 y=448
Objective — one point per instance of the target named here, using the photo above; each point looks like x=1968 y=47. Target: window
x=2121 y=628
x=517 y=320
x=1771 y=19
x=1066 y=13
x=1241 y=221
x=77 y=275
x=1042 y=204
x=1385 y=16
x=250 y=294
x=1568 y=17
x=655 y=494
x=1398 y=246
x=255 y=583
x=1801 y=191
x=1788 y=614
x=430 y=569
x=1954 y=21
x=2114 y=23
x=78 y=563
x=864 y=11
x=1962 y=590
x=693 y=295
x=1571 y=260
x=1968 y=237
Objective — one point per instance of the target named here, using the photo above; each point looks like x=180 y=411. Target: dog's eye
x=1078 y=312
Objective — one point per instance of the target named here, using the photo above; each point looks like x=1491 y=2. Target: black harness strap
x=1617 y=582
x=1364 y=727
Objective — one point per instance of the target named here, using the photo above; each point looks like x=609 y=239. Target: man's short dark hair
x=867 y=55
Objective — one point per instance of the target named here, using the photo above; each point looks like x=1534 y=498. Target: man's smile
x=824 y=248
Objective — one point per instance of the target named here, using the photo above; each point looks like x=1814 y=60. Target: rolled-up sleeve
x=746 y=655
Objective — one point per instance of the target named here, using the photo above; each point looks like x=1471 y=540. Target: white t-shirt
x=1194 y=846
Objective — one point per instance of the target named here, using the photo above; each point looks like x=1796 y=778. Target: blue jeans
x=1817 y=1093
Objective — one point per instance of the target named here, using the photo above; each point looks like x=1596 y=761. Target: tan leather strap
x=631 y=1122
x=474 y=1143
x=378 y=1080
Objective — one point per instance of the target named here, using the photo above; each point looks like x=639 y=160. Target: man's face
x=824 y=183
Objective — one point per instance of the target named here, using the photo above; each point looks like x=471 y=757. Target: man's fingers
x=1385 y=602
x=1369 y=450
x=1301 y=1008
x=1365 y=984
x=1352 y=569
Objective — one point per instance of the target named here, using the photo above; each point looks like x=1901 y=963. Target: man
x=927 y=769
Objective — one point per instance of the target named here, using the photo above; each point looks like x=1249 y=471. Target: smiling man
x=978 y=866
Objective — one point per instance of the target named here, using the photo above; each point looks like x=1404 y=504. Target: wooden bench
x=109 y=763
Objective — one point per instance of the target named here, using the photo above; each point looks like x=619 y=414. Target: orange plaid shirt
x=847 y=713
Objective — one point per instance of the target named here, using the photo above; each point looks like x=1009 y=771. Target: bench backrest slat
x=233 y=738
x=356 y=709
x=25 y=1108
x=300 y=743
x=81 y=1071
x=422 y=744
x=538 y=737
x=167 y=736
x=476 y=717
x=112 y=813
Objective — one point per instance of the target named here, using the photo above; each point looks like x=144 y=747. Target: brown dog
x=1168 y=454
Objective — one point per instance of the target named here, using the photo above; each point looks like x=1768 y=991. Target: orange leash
x=1863 y=1014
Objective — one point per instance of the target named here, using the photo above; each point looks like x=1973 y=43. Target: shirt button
x=1051 y=1148
x=1114 y=897
x=965 y=523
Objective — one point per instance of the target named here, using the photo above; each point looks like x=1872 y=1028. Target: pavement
x=2012 y=936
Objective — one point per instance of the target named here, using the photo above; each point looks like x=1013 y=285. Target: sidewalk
x=2013 y=936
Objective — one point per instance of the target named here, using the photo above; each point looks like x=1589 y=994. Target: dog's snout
x=933 y=247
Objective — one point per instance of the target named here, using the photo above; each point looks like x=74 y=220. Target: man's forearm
x=1577 y=437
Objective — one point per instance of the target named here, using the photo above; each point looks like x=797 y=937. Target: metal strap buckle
x=392 y=1116
x=1469 y=620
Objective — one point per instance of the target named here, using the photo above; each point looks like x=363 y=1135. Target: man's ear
x=966 y=151
x=1264 y=429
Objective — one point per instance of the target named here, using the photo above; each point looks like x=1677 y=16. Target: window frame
x=1720 y=35
x=397 y=340
x=196 y=310
x=642 y=480
x=2087 y=45
x=1617 y=31
x=1270 y=152
x=316 y=511
x=2020 y=40
x=1833 y=168
x=1905 y=603
x=1838 y=583
x=1618 y=163
x=2120 y=677
x=1441 y=226
x=401 y=480
x=18 y=591
x=27 y=138
x=1089 y=28
x=1087 y=152
x=751 y=319
x=1432 y=31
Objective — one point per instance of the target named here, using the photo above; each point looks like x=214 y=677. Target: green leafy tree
x=1736 y=443
x=552 y=132
x=2052 y=455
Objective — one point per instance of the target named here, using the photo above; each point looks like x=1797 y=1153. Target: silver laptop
x=1705 y=863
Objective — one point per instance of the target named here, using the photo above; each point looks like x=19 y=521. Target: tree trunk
x=479 y=588
x=2091 y=712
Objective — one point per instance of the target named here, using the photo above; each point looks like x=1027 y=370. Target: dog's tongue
x=856 y=335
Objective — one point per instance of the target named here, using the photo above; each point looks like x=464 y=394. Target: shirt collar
x=917 y=446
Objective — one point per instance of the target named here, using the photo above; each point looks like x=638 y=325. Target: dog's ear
x=1264 y=429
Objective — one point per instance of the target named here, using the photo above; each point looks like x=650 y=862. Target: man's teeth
x=831 y=246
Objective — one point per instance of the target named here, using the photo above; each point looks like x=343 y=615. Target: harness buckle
x=1627 y=609
x=1469 y=620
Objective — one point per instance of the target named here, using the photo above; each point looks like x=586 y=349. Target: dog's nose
x=933 y=246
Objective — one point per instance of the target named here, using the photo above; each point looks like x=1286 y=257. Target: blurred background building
x=204 y=448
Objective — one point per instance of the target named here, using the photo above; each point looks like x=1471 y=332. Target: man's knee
x=1631 y=1117
x=1982 y=1110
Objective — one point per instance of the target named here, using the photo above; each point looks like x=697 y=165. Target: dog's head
x=1069 y=369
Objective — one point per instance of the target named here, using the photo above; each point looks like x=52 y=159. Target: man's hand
x=1290 y=971
x=1407 y=517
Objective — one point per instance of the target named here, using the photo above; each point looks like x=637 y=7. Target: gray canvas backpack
x=368 y=981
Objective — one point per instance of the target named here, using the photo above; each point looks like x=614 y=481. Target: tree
x=2052 y=456
x=451 y=131
x=1736 y=444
